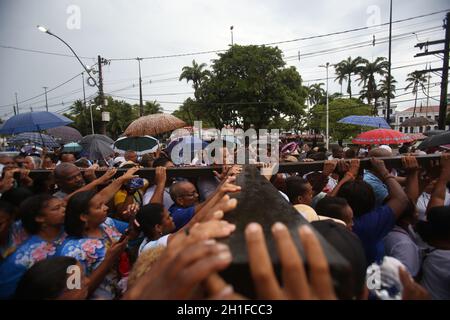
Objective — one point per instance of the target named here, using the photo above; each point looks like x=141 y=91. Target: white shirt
x=422 y=203
x=168 y=202
x=147 y=245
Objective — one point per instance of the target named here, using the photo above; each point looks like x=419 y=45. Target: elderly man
x=68 y=178
x=131 y=155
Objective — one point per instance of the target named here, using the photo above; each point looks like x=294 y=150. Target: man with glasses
x=185 y=196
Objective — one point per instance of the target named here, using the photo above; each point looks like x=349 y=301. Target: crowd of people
x=73 y=235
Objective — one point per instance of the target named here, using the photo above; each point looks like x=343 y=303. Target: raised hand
x=160 y=176
x=296 y=284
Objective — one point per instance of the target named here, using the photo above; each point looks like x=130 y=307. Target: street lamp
x=231 y=29
x=327 y=112
x=90 y=78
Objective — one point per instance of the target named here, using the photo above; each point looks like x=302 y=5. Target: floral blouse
x=33 y=250
x=90 y=252
x=17 y=235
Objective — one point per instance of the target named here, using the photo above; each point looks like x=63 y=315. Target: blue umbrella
x=72 y=147
x=35 y=138
x=366 y=121
x=33 y=121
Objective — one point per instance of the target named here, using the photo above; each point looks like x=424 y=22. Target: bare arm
x=438 y=195
x=412 y=178
x=160 y=180
x=350 y=175
x=398 y=199
x=108 y=193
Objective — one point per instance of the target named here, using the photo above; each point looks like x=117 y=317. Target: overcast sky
x=149 y=28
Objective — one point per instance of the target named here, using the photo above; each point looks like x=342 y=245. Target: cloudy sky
x=160 y=29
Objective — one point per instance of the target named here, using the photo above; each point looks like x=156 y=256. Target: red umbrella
x=382 y=136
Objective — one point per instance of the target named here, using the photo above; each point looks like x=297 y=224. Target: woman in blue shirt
x=43 y=219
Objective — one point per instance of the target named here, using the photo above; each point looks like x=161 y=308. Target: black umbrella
x=431 y=133
x=435 y=141
x=89 y=138
x=96 y=147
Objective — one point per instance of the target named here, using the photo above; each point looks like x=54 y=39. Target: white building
x=431 y=112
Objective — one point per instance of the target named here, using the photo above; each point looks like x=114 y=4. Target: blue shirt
x=33 y=250
x=181 y=216
x=371 y=228
x=379 y=188
x=90 y=253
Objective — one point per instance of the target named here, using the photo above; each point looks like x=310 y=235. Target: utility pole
x=388 y=101
x=17 y=105
x=444 y=80
x=100 y=91
x=46 y=102
x=327 y=112
x=141 y=105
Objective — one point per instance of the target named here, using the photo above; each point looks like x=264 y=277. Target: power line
x=285 y=41
x=44 y=52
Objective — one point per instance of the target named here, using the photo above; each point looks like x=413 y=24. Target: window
x=429 y=117
x=400 y=129
x=411 y=129
x=435 y=127
x=401 y=119
x=390 y=111
x=406 y=118
x=428 y=128
x=436 y=118
x=420 y=129
x=384 y=111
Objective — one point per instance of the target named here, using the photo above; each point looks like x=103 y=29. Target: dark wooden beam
x=301 y=167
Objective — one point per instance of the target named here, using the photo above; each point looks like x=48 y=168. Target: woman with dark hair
x=43 y=219
x=48 y=280
x=95 y=240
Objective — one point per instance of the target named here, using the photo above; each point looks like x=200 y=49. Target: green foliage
x=345 y=69
x=121 y=115
x=338 y=109
x=247 y=85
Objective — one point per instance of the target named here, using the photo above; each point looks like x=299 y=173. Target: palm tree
x=196 y=74
x=367 y=75
x=416 y=79
x=345 y=69
x=383 y=87
x=316 y=93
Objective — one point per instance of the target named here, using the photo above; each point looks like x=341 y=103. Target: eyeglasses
x=190 y=195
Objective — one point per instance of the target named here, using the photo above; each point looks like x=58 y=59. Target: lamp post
x=45 y=30
x=46 y=102
x=327 y=112
x=231 y=29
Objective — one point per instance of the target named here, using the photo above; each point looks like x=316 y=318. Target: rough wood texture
x=260 y=202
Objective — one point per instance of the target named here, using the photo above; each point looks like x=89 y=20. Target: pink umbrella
x=382 y=136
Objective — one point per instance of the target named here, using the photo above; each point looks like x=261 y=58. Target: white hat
x=386 y=147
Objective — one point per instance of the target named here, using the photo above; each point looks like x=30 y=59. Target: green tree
x=250 y=85
x=316 y=94
x=383 y=87
x=197 y=74
x=416 y=80
x=345 y=69
x=367 y=74
x=151 y=107
x=81 y=117
x=338 y=109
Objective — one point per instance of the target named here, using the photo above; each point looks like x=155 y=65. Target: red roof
x=424 y=109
